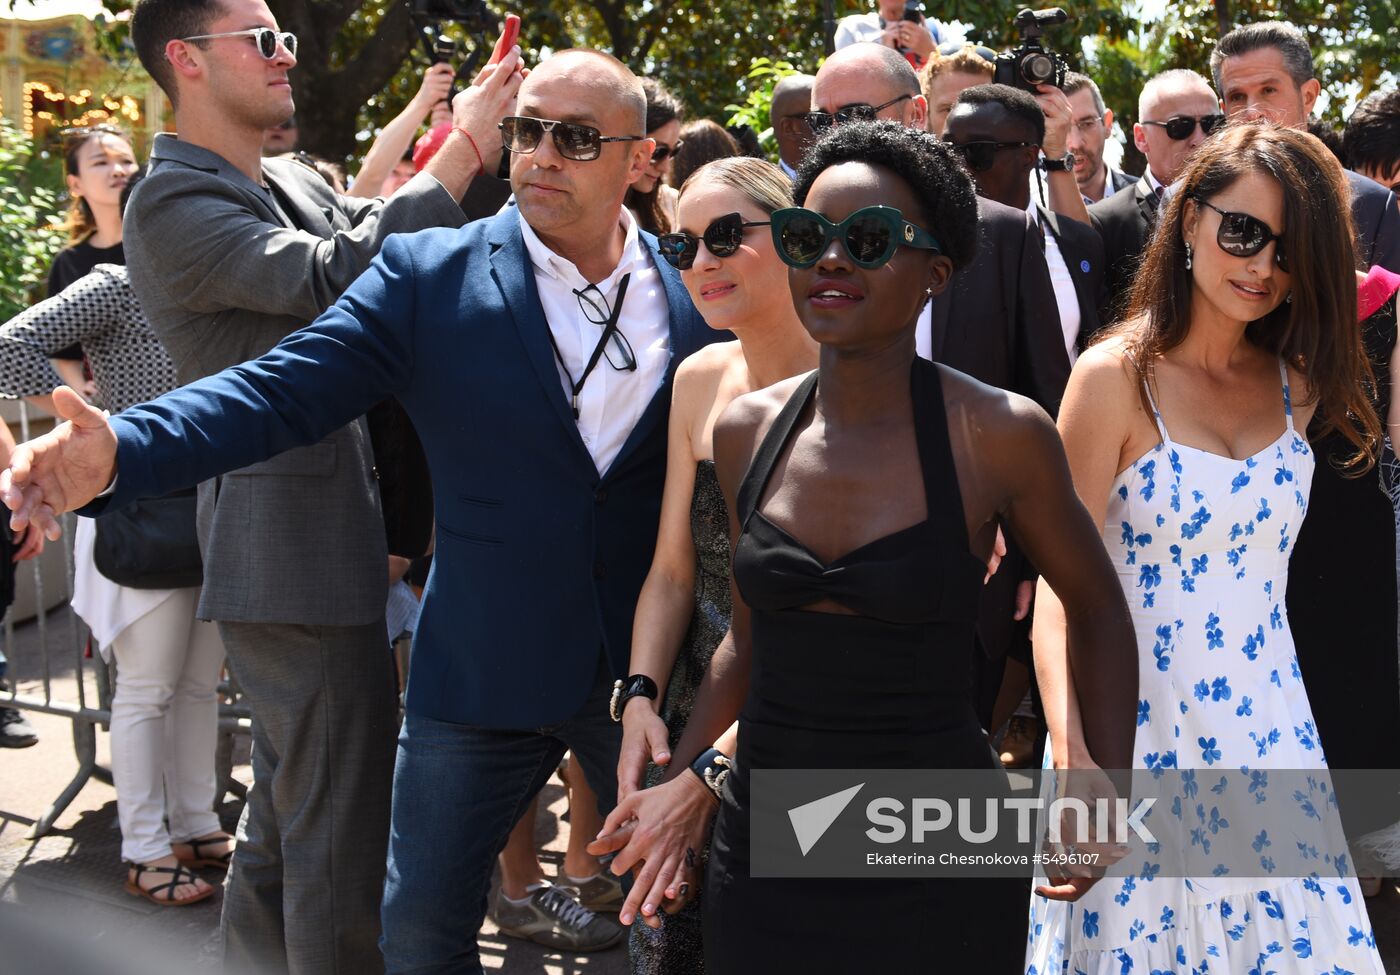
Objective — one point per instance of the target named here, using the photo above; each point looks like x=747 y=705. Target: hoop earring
x=1188 y=256
x=1288 y=298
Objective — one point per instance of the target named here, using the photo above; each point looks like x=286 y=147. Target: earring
x=1288 y=298
x=1188 y=257
x=928 y=292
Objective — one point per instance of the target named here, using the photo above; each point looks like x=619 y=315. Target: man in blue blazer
x=546 y=435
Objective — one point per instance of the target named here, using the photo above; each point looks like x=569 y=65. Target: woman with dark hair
x=1242 y=321
x=701 y=142
x=165 y=703
x=97 y=162
x=651 y=201
x=863 y=502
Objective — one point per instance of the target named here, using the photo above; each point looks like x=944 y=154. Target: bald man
x=792 y=98
x=534 y=353
x=1167 y=103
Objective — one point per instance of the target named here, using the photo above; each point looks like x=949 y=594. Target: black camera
x=914 y=11
x=458 y=10
x=1031 y=64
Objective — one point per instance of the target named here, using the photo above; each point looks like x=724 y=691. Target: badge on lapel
x=1084 y=266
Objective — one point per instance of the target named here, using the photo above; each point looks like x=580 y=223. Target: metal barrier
x=91 y=708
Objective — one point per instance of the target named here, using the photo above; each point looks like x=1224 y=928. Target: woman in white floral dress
x=1185 y=442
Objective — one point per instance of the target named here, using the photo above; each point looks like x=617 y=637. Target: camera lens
x=1038 y=69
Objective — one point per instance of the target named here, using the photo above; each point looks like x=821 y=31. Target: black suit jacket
x=1125 y=222
x=1083 y=253
x=1377 y=217
x=997 y=322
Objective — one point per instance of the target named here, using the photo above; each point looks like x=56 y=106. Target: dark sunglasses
x=723 y=237
x=821 y=121
x=1241 y=235
x=982 y=156
x=583 y=143
x=950 y=48
x=662 y=152
x=871 y=235
x=1180 y=127
x=265 y=37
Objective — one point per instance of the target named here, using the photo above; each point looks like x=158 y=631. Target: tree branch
x=365 y=74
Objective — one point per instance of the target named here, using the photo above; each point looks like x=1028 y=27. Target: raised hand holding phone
x=510 y=33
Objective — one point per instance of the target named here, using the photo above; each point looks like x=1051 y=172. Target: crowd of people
x=937 y=441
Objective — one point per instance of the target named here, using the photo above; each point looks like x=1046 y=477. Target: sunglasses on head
x=662 y=152
x=1241 y=235
x=982 y=156
x=821 y=121
x=723 y=237
x=1180 y=127
x=871 y=236
x=583 y=143
x=266 y=39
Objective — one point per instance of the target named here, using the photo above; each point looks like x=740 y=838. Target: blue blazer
x=539 y=560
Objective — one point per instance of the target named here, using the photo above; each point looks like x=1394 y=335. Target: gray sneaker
x=15 y=730
x=554 y=919
x=601 y=893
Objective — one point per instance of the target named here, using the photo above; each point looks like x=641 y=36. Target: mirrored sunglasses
x=582 y=143
x=1180 y=127
x=871 y=236
x=1241 y=235
x=723 y=237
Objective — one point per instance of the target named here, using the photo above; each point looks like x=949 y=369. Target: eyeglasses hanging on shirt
x=612 y=344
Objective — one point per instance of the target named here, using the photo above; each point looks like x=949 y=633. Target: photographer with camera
x=897 y=24
x=1041 y=72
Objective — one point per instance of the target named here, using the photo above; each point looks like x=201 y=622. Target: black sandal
x=200 y=860
x=179 y=876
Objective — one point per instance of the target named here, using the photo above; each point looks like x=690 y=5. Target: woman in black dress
x=861 y=532
x=1351 y=680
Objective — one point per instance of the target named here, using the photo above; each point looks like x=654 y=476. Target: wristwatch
x=713 y=767
x=638 y=685
x=1061 y=164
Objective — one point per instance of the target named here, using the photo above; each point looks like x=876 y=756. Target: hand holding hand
x=1082 y=864
x=644 y=739
x=658 y=832
x=62 y=470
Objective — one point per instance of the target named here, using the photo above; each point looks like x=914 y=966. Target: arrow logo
x=811 y=820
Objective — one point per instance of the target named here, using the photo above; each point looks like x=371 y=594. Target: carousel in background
x=55 y=76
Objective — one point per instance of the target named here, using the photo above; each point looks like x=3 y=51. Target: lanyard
x=609 y=327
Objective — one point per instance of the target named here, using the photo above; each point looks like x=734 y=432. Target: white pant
x=165 y=716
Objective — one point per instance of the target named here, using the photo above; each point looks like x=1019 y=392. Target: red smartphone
x=509 y=35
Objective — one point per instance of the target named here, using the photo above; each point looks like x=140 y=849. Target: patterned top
x=100 y=312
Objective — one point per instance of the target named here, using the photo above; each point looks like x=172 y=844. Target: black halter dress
x=888 y=687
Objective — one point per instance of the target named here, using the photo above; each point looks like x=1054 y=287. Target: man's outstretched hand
x=62 y=470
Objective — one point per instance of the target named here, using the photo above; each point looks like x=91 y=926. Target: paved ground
x=62 y=907
x=63 y=910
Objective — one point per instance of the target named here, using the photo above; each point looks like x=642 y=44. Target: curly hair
x=927 y=164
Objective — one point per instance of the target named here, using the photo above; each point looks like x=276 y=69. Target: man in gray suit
x=228 y=253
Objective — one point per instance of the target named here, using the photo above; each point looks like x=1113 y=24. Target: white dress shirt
x=1066 y=299
x=612 y=400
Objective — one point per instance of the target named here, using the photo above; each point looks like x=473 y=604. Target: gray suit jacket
x=224 y=269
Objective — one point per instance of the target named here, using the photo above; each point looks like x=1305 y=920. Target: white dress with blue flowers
x=1201 y=543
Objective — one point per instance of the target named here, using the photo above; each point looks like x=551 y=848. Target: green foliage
x=28 y=211
x=764 y=74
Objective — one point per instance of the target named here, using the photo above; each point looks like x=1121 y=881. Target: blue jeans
x=458 y=792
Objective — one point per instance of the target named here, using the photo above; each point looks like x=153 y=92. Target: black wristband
x=713 y=767
x=638 y=685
